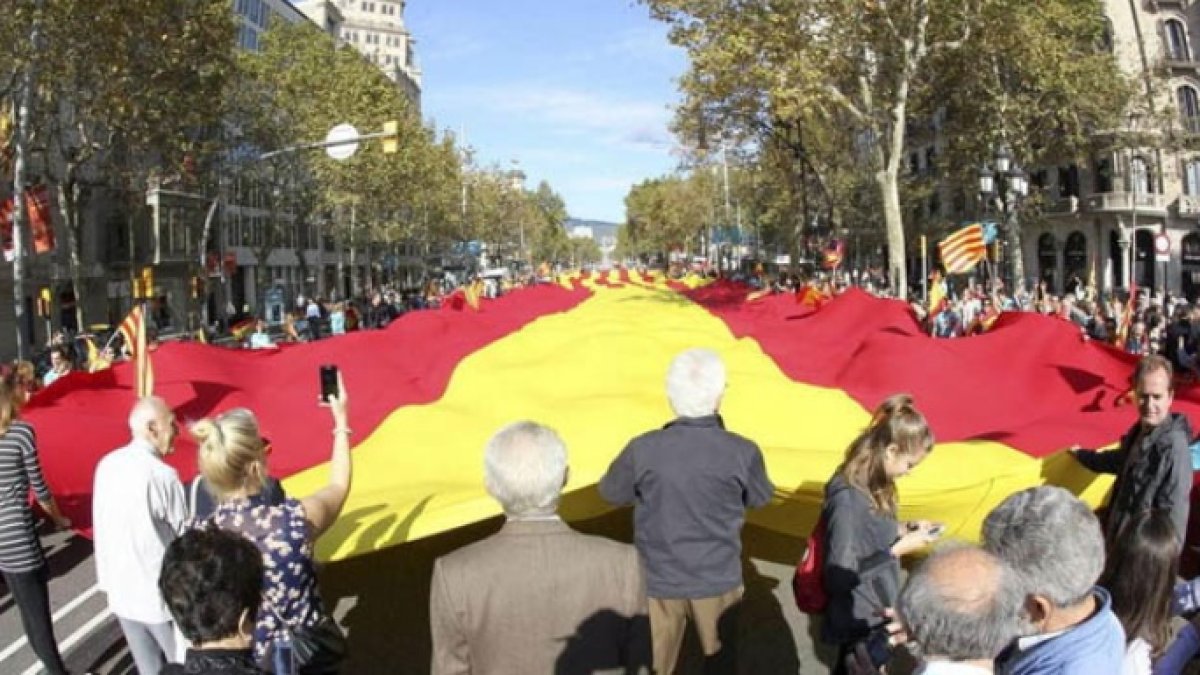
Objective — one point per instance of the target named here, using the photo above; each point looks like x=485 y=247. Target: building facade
x=1098 y=218
x=376 y=29
x=1102 y=217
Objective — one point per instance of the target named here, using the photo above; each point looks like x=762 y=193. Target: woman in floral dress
x=234 y=465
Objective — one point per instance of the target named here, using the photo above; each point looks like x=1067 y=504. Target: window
x=1177 y=46
x=1191 y=177
x=1068 y=181
x=1189 y=109
x=1139 y=176
x=1106 y=38
x=1104 y=174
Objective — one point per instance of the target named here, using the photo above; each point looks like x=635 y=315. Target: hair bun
x=208 y=435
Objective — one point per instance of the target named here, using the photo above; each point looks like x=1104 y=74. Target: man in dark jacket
x=691 y=483
x=380 y=313
x=1153 y=463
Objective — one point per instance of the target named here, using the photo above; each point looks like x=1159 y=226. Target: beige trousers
x=669 y=617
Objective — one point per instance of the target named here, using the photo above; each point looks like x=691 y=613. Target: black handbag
x=318 y=649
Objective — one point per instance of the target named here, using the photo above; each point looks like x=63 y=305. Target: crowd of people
x=219 y=576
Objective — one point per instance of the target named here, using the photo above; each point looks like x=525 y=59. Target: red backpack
x=808 y=583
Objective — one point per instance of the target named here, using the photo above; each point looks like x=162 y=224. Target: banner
x=41 y=223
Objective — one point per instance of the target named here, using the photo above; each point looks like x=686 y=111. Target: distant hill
x=600 y=228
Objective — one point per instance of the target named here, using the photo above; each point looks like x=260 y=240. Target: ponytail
x=896 y=422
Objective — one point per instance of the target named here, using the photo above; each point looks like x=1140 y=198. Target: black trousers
x=31 y=593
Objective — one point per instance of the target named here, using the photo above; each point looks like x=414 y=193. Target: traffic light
x=391 y=138
x=144 y=284
x=197 y=286
x=43 y=302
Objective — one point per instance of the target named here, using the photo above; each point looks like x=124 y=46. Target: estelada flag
x=133 y=330
x=963 y=250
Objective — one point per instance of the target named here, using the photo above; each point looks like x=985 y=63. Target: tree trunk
x=889 y=190
x=20 y=166
x=68 y=200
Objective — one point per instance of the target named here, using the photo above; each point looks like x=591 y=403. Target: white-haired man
x=536 y=597
x=962 y=607
x=1053 y=541
x=138 y=508
x=691 y=483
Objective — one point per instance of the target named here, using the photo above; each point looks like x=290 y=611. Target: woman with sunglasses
x=234 y=464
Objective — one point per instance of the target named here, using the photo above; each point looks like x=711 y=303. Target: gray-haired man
x=961 y=606
x=536 y=597
x=1053 y=541
x=691 y=483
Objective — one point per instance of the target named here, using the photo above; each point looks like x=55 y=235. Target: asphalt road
x=382 y=601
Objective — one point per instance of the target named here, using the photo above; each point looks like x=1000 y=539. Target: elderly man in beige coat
x=537 y=597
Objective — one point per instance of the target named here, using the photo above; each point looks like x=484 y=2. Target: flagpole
x=924 y=270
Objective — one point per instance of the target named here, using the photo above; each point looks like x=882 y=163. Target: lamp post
x=1005 y=188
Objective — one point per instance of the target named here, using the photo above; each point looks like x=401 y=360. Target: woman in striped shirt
x=22 y=562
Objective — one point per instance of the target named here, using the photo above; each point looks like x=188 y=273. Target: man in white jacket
x=138 y=508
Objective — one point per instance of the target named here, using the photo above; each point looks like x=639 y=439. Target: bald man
x=138 y=508
x=962 y=607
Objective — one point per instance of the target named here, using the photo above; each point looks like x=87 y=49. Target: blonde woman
x=233 y=462
x=864 y=541
x=22 y=562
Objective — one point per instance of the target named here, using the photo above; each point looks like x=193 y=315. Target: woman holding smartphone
x=233 y=462
x=864 y=541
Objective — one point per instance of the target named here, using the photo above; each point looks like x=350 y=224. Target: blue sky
x=578 y=91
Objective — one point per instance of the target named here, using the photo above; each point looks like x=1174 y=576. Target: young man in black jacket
x=1154 y=462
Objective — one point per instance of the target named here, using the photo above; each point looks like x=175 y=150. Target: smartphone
x=329 y=382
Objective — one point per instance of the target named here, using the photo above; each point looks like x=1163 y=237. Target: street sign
x=1162 y=247
x=342 y=133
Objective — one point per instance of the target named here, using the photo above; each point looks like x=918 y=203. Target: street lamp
x=1006 y=188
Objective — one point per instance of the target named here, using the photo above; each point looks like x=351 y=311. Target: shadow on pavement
x=388 y=625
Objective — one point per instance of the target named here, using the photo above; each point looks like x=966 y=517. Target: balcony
x=1188 y=206
x=1149 y=204
x=1180 y=64
x=1061 y=206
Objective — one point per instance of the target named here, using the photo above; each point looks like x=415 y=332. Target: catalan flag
x=133 y=329
x=962 y=250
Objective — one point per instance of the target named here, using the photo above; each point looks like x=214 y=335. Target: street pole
x=1133 y=227
x=353 y=269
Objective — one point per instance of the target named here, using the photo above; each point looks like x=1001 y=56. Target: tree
x=790 y=75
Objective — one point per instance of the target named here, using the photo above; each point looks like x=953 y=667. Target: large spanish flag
x=588 y=356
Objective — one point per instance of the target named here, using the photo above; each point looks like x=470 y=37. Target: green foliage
x=819 y=94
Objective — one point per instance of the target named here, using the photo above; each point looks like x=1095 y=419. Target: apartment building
x=1099 y=218
x=376 y=29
